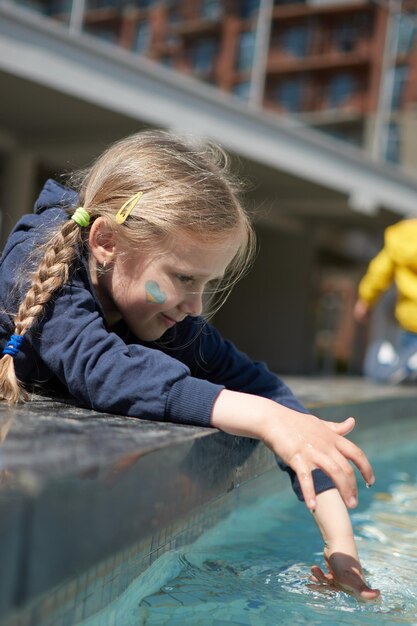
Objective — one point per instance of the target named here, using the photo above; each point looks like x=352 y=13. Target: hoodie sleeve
x=106 y=374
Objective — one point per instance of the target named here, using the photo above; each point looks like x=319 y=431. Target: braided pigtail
x=51 y=274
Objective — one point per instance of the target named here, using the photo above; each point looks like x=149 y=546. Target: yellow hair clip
x=125 y=210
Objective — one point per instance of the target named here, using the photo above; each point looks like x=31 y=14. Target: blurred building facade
x=331 y=65
x=347 y=67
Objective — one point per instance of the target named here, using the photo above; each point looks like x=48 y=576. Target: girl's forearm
x=334 y=523
x=240 y=414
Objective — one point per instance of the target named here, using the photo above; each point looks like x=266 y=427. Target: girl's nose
x=193 y=304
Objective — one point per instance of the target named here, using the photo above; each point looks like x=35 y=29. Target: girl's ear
x=102 y=241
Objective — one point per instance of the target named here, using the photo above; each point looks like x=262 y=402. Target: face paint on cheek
x=154 y=294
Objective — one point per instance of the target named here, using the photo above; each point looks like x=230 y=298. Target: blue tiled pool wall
x=83 y=596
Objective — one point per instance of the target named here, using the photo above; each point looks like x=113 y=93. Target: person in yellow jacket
x=395 y=263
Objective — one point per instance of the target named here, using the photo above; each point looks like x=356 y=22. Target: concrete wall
x=408 y=134
x=269 y=315
x=16 y=189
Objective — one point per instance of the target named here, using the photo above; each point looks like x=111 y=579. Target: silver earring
x=101 y=268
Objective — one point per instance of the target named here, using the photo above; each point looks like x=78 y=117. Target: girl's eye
x=186 y=280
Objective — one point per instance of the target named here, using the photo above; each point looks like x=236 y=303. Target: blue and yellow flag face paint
x=154 y=293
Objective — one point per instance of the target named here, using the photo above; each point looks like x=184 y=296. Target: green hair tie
x=81 y=217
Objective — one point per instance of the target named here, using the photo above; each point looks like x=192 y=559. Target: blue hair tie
x=13 y=345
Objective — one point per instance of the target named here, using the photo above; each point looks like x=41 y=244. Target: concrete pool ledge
x=89 y=501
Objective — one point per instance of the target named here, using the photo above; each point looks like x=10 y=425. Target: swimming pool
x=253 y=567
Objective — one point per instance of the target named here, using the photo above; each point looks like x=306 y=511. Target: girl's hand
x=344 y=573
x=305 y=443
x=302 y=441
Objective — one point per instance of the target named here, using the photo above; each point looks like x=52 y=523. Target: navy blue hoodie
x=176 y=378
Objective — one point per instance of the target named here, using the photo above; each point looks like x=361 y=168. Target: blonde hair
x=186 y=187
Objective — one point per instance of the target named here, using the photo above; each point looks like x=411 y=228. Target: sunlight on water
x=389 y=532
x=254 y=567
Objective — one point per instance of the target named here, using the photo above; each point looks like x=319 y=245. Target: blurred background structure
x=315 y=100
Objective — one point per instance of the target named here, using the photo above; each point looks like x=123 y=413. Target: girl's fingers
x=339 y=470
x=358 y=457
x=320 y=577
x=342 y=474
x=368 y=594
x=352 y=451
x=333 y=459
x=342 y=428
x=305 y=479
x=361 y=591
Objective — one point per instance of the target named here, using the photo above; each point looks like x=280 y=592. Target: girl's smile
x=168 y=320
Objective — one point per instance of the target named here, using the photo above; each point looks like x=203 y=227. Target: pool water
x=254 y=567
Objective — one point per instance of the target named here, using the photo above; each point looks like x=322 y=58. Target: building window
x=246 y=49
x=34 y=5
x=174 y=14
x=142 y=4
x=242 y=90
x=211 y=9
x=294 y=40
x=289 y=94
x=345 y=37
x=340 y=89
x=104 y=33
x=353 y=135
x=117 y=4
x=142 y=38
x=102 y=4
x=248 y=8
x=281 y=2
x=393 y=149
x=406 y=33
x=59 y=7
x=167 y=60
x=399 y=81
x=202 y=55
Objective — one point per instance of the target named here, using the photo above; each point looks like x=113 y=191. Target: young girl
x=119 y=275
